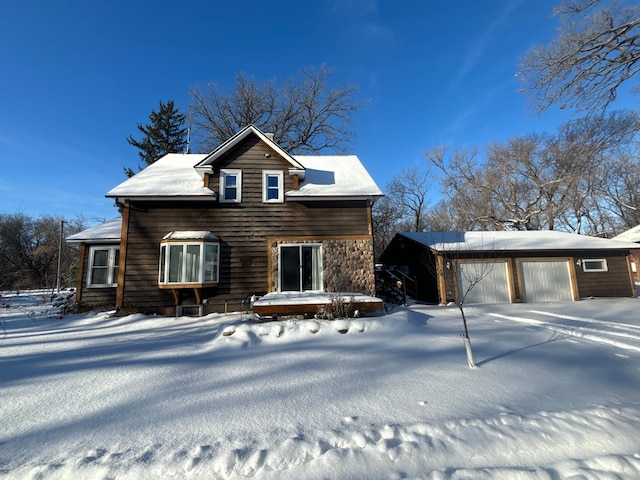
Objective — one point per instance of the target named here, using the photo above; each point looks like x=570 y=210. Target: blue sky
x=77 y=76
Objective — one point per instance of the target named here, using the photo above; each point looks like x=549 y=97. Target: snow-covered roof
x=107 y=232
x=513 y=241
x=334 y=176
x=631 y=235
x=175 y=176
x=190 y=235
x=170 y=176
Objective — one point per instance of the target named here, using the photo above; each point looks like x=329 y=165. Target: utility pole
x=60 y=254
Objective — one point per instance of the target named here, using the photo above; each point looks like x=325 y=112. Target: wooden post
x=123 y=255
x=79 y=281
x=442 y=288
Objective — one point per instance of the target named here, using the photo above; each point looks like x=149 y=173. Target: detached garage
x=507 y=267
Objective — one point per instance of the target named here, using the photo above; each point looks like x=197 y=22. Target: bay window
x=188 y=261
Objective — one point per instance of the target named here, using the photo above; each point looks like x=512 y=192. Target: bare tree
x=29 y=249
x=545 y=182
x=306 y=114
x=499 y=192
x=409 y=194
x=461 y=266
x=385 y=219
x=619 y=189
x=444 y=216
x=596 y=51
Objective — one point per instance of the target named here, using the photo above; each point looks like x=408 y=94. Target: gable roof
x=631 y=235
x=179 y=176
x=171 y=176
x=341 y=176
x=107 y=232
x=538 y=240
x=219 y=152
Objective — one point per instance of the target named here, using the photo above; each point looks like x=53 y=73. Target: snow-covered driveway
x=620 y=335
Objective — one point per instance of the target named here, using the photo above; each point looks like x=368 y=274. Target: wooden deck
x=308 y=303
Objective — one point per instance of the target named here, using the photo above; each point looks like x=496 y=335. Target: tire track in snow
x=592 y=334
x=618 y=326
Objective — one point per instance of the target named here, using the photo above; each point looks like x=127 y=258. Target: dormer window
x=272 y=186
x=230 y=186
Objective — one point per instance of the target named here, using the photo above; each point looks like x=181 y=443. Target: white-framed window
x=189 y=263
x=272 y=186
x=230 y=186
x=300 y=267
x=103 y=266
x=594 y=265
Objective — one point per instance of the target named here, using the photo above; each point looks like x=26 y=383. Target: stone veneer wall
x=347 y=265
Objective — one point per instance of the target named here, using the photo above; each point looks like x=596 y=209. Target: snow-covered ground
x=556 y=394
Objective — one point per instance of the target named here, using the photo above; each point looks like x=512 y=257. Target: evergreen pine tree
x=164 y=134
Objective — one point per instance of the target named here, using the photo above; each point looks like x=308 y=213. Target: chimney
x=269 y=136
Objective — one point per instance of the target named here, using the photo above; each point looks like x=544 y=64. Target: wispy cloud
x=480 y=45
x=366 y=27
x=470 y=113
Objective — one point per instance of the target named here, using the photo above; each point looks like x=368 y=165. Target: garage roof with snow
x=479 y=241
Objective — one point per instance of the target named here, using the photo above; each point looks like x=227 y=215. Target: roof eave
x=101 y=241
x=311 y=197
x=179 y=198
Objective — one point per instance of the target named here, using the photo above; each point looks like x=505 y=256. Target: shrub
x=338 y=307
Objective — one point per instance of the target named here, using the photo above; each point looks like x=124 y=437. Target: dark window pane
x=100 y=258
x=175 y=263
x=272 y=181
x=290 y=269
x=307 y=268
x=99 y=276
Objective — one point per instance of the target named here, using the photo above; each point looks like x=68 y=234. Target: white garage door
x=546 y=280
x=485 y=282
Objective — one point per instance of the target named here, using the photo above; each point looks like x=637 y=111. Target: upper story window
x=230 y=186
x=594 y=265
x=189 y=261
x=272 y=186
x=103 y=266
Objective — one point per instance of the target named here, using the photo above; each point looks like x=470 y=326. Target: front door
x=300 y=268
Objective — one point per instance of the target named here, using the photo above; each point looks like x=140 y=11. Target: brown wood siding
x=615 y=282
x=243 y=230
x=92 y=296
x=249 y=156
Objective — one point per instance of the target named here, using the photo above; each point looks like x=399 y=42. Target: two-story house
x=203 y=232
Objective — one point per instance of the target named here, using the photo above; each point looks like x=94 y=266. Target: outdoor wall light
x=448 y=265
x=578 y=262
